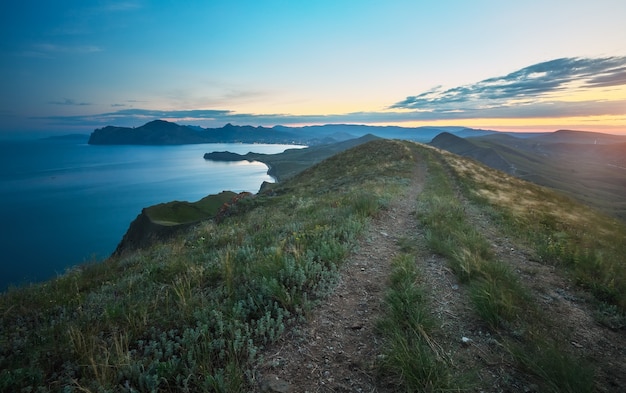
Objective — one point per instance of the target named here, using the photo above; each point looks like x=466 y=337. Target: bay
x=64 y=202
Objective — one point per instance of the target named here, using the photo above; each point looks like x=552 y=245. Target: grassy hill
x=586 y=166
x=197 y=312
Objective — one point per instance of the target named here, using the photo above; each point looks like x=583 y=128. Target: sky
x=73 y=66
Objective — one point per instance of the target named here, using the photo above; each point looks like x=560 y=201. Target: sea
x=64 y=202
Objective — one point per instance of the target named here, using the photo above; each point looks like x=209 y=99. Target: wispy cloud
x=527 y=85
x=69 y=102
x=134 y=116
x=50 y=50
x=120 y=6
x=56 y=48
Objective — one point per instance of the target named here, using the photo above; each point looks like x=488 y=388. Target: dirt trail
x=335 y=351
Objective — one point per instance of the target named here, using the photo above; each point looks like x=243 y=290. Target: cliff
x=160 y=222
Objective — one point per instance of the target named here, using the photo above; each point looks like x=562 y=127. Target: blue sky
x=72 y=66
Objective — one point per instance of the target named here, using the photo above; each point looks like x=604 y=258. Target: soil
x=336 y=350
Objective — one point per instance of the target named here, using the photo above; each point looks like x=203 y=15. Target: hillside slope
x=391 y=266
x=589 y=167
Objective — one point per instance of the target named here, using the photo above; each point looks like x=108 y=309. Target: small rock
x=273 y=384
x=574 y=343
x=466 y=340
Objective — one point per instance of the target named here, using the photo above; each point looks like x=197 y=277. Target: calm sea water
x=63 y=203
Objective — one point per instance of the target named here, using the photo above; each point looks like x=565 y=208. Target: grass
x=578 y=170
x=588 y=244
x=174 y=213
x=557 y=371
x=192 y=313
x=412 y=358
x=496 y=292
x=497 y=295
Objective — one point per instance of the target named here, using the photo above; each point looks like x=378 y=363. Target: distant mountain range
x=160 y=132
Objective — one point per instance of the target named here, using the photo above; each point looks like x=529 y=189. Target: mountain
x=579 y=137
x=160 y=132
x=157 y=132
x=466 y=148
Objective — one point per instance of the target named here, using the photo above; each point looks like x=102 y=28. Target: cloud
x=69 y=102
x=50 y=50
x=216 y=118
x=531 y=83
x=121 y=6
x=56 y=48
x=135 y=116
x=531 y=92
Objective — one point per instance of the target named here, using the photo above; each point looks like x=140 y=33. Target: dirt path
x=336 y=350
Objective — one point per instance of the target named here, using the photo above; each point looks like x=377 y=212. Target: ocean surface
x=64 y=202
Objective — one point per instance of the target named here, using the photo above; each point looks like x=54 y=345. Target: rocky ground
x=336 y=350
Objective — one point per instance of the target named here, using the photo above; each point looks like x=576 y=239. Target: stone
x=273 y=384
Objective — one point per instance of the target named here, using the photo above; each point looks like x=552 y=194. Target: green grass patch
x=558 y=372
x=174 y=213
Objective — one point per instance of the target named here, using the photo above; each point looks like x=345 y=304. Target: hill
x=487 y=155
x=579 y=137
x=165 y=220
x=160 y=132
x=583 y=165
x=292 y=161
x=390 y=266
